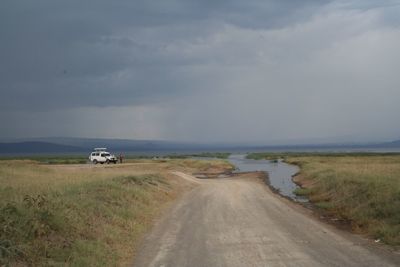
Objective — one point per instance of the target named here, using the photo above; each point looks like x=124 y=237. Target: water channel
x=279 y=173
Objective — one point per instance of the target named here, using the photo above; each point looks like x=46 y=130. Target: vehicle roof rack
x=100 y=149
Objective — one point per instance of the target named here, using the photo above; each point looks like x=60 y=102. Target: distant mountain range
x=59 y=145
x=36 y=147
x=394 y=143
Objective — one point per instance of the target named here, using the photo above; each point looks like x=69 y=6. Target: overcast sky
x=267 y=71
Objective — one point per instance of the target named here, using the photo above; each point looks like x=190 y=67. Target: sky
x=257 y=71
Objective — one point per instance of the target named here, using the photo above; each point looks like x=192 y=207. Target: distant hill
x=36 y=147
x=119 y=145
x=393 y=144
x=59 y=145
x=396 y=143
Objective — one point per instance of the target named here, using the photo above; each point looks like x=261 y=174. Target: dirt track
x=240 y=222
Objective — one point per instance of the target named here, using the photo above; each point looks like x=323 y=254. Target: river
x=279 y=173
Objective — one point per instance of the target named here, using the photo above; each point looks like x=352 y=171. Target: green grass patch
x=324 y=205
x=217 y=155
x=62 y=159
x=302 y=191
x=293 y=155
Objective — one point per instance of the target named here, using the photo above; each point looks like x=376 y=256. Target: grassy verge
x=82 y=159
x=218 y=155
x=363 y=189
x=70 y=159
x=203 y=165
x=80 y=215
x=284 y=155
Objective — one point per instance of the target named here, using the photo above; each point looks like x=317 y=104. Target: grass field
x=48 y=159
x=218 y=155
x=82 y=215
x=82 y=159
x=361 y=188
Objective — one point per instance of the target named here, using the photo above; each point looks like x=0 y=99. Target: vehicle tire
x=95 y=161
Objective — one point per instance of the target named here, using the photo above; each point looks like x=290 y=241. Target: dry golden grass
x=82 y=215
x=29 y=177
x=362 y=189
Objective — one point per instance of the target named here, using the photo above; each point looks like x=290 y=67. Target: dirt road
x=240 y=222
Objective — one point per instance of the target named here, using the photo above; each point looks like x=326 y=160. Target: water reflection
x=280 y=173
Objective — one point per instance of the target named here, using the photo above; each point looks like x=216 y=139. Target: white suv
x=100 y=155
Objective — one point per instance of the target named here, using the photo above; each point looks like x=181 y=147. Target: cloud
x=84 y=53
x=334 y=75
x=203 y=71
x=141 y=122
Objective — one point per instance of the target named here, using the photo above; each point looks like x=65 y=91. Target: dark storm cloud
x=200 y=70
x=93 y=53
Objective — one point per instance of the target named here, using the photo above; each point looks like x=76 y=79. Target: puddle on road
x=279 y=173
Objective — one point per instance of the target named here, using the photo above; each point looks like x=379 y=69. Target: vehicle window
x=103 y=155
x=106 y=154
x=93 y=154
x=97 y=154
